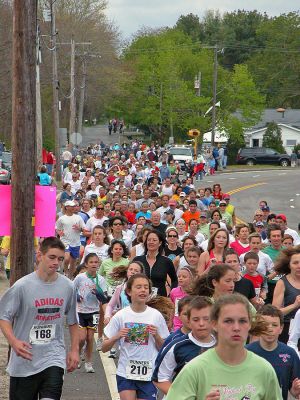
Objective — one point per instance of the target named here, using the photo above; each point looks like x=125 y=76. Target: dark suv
x=262 y=155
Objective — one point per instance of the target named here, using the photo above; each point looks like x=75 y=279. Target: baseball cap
x=172 y=203
x=226 y=196
x=281 y=216
x=266 y=208
x=222 y=202
x=182 y=194
x=203 y=214
x=170 y=212
x=70 y=203
x=259 y=223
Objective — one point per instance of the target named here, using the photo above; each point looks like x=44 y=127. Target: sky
x=130 y=15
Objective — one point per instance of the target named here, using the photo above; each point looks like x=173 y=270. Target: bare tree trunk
x=23 y=136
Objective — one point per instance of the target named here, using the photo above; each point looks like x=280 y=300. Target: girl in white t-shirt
x=141 y=331
x=98 y=245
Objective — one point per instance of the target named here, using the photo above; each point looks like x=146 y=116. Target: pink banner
x=45 y=210
x=5 y=207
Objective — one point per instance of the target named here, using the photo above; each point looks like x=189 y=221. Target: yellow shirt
x=5 y=245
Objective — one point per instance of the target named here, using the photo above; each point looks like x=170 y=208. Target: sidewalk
x=4 y=378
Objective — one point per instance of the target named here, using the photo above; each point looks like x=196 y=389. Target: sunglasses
x=99 y=208
x=258 y=215
x=174 y=236
x=117 y=224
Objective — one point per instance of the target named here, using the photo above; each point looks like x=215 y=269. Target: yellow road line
x=110 y=371
x=240 y=189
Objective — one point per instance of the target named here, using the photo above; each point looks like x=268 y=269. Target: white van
x=182 y=154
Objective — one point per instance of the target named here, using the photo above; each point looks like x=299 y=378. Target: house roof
x=252 y=131
x=289 y=117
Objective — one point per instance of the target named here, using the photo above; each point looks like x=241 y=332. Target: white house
x=220 y=137
x=289 y=134
x=287 y=120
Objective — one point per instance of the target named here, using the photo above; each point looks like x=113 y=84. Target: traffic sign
x=76 y=138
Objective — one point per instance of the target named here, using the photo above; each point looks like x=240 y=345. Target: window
x=291 y=142
x=255 y=142
x=270 y=151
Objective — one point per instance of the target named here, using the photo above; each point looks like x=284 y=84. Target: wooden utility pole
x=72 y=125
x=55 y=89
x=39 y=126
x=214 y=113
x=82 y=96
x=23 y=136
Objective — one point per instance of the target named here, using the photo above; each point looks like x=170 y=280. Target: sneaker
x=99 y=344
x=113 y=353
x=79 y=365
x=89 y=367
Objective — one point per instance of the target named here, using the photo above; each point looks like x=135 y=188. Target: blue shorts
x=74 y=251
x=144 y=390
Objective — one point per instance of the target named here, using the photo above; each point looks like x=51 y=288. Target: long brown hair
x=211 y=244
x=258 y=326
x=282 y=264
x=203 y=286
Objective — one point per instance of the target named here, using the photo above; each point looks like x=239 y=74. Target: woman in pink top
x=241 y=244
x=185 y=279
x=217 y=245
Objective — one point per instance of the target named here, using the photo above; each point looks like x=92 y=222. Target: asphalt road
x=280 y=188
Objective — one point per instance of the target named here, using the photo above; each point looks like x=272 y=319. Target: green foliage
x=157 y=89
x=297 y=148
x=272 y=137
x=276 y=66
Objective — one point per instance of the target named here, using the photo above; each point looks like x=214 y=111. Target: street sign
x=76 y=138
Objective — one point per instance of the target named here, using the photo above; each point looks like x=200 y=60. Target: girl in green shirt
x=228 y=371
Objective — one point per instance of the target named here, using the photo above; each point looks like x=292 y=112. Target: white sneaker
x=112 y=353
x=89 y=367
x=99 y=344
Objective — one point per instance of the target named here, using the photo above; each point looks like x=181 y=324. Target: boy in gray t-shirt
x=32 y=316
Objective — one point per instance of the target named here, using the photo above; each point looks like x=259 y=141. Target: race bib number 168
x=42 y=334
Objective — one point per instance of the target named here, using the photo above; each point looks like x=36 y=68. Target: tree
x=276 y=66
x=272 y=137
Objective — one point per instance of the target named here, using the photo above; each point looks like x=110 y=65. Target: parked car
x=5 y=167
x=6 y=158
x=4 y=176
x=182 y=154
x=262 y=155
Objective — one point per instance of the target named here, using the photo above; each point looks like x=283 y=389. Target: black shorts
x=46 y=384
x=87 y=320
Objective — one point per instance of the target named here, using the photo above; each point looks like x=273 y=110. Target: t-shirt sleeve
x=113 y=326
x=166 y=368
x=184 y=386
x=102 y=283
x=10 y=303
x=294 y=332
x=162 y=327
x=71 y=312
x=273 y=391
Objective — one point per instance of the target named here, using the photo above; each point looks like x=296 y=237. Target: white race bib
x=111 y=290
x=139 y=370
x=42 y=334
x=95 y=319
x=176 y=307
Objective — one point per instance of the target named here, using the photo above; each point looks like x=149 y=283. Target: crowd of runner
x=155 y=264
